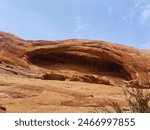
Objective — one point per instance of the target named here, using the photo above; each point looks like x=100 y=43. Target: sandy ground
x=20 y=94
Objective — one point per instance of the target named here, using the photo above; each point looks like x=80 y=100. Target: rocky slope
x=66 y=62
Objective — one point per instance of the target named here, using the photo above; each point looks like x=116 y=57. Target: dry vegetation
x=138 y=102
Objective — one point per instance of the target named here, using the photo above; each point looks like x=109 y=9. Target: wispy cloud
x=110 y=10
x=137 y=3
x=80 y=26
x=109 y=7
x=132 y=12
x=145 y=14
x=139 y=11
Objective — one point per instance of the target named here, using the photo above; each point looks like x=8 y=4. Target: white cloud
x=78 y=19
x=137 y=3
x=132 y=12
x=130 y=15
x=80 y=26
x=109 y=7
x=145 y=15
x=139 y=12
x=110 y=10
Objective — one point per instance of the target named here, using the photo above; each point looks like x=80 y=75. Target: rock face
x=67 y=75
x=2 y=109
x=75 y=60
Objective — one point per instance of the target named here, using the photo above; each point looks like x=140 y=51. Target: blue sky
x=121 y=21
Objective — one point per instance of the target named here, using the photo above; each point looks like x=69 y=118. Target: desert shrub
x=138 y=101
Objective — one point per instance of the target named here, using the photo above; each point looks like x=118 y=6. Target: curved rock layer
x=75 y=60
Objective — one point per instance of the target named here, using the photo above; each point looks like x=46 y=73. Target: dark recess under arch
x=94 y=64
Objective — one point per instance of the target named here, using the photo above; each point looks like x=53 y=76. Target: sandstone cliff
x=81 y=60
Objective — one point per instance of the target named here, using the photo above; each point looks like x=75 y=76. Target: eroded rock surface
x=67 y=75
x=2 y=109
x=73 y=59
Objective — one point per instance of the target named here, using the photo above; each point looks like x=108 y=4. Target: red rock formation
x=71 y=58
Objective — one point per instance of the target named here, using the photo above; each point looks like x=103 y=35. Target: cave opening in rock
x=80 y=63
